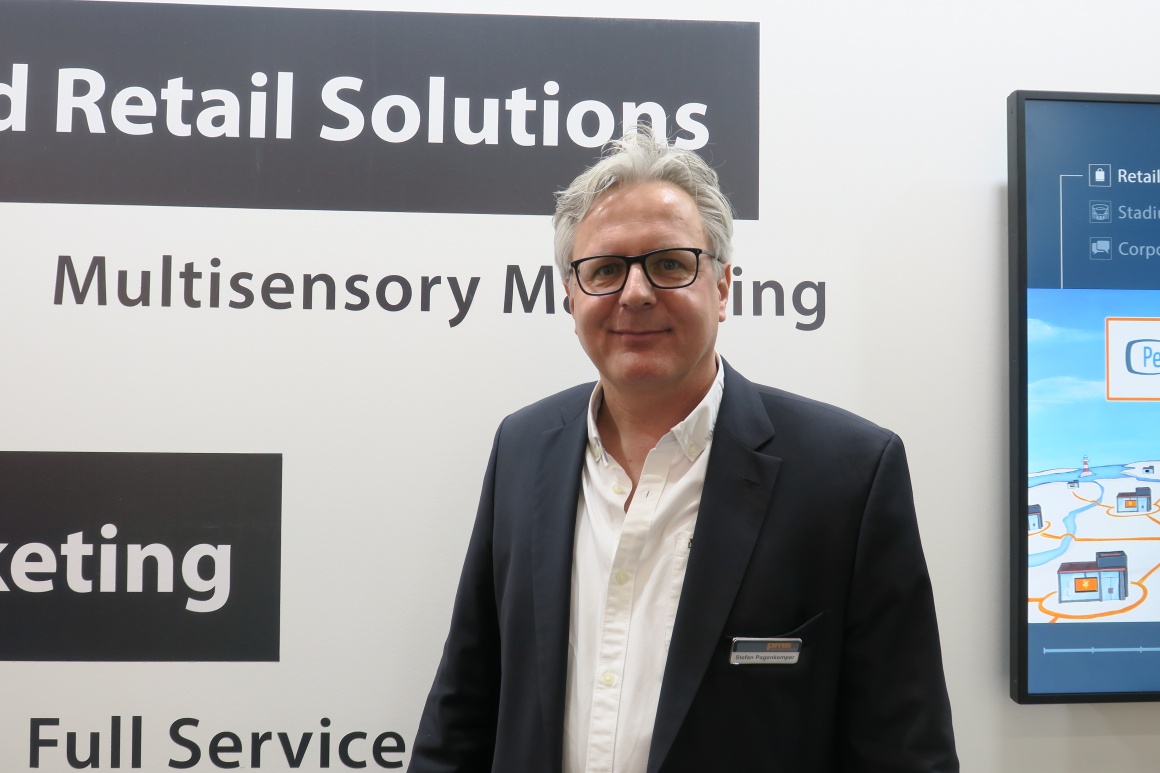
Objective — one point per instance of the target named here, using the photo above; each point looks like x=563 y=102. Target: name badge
x=752 y=652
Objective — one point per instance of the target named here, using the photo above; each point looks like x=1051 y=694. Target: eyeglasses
x=669 y=269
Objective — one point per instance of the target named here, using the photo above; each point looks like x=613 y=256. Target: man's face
x=643 y=337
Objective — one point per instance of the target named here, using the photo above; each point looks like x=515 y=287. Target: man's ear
x=568 y=297
x=723 y=285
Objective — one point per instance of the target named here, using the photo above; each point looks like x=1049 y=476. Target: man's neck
x=631 y=423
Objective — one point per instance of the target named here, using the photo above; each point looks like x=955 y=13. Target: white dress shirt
x=628 y=569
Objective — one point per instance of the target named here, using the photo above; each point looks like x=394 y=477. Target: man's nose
x=637 y=288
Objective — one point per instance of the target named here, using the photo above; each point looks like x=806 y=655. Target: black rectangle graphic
x=140 y=556
x=180 y=105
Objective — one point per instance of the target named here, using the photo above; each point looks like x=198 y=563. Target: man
x=675 y=569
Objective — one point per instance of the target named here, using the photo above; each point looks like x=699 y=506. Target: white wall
x=883 y=168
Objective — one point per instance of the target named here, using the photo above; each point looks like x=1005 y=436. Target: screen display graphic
x=1085 y=379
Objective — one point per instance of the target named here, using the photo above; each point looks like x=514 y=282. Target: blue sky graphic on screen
x=1068 y=413
x=1093 y=397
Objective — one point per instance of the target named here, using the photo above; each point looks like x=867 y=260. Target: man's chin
x=635 y=371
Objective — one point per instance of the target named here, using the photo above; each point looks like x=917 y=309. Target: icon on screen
x=1101 y=248
x=1142 y=357
x=1105 y=579
x=1100 y=211
x=1100 y=175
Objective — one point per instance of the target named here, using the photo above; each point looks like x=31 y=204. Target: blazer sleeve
x=458 y=727
x=894 y=713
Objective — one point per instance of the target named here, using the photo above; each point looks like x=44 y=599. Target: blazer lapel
x=738 y=488
x=554 y=527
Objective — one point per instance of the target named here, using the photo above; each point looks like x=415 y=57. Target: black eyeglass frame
x=632 y=260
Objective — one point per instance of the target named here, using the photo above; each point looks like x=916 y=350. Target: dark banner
x=140 y=556
x=114 y=103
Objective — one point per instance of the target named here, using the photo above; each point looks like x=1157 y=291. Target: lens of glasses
x=665 y=268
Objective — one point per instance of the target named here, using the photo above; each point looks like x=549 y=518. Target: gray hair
x=640 y=156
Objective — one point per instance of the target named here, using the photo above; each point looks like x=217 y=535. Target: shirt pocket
x=684 y=543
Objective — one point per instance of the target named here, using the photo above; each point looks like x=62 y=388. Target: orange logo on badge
x=777 y=645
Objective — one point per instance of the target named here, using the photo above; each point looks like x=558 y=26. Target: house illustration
x=1105 y=579
x=1034 y=518
x=1138 y=501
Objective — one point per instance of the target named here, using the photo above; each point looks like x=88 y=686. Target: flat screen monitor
x=1084 y=193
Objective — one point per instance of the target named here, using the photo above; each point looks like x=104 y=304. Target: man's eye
x=668 y=264
x=608 y=269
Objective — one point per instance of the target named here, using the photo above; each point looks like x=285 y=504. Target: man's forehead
x=641 y=205
x=648 y=194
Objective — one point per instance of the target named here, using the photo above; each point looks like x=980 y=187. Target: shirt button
x=608 y=679
x=694 y=450
x=618 y=489
x=621 y=577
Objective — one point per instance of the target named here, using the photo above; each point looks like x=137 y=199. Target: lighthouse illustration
x=1086 y=470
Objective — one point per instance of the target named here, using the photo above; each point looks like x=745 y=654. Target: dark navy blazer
x=806 y=529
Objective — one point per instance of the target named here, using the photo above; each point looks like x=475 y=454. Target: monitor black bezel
x=1017 y=374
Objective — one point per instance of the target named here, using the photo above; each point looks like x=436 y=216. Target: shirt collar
x=693 y=434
